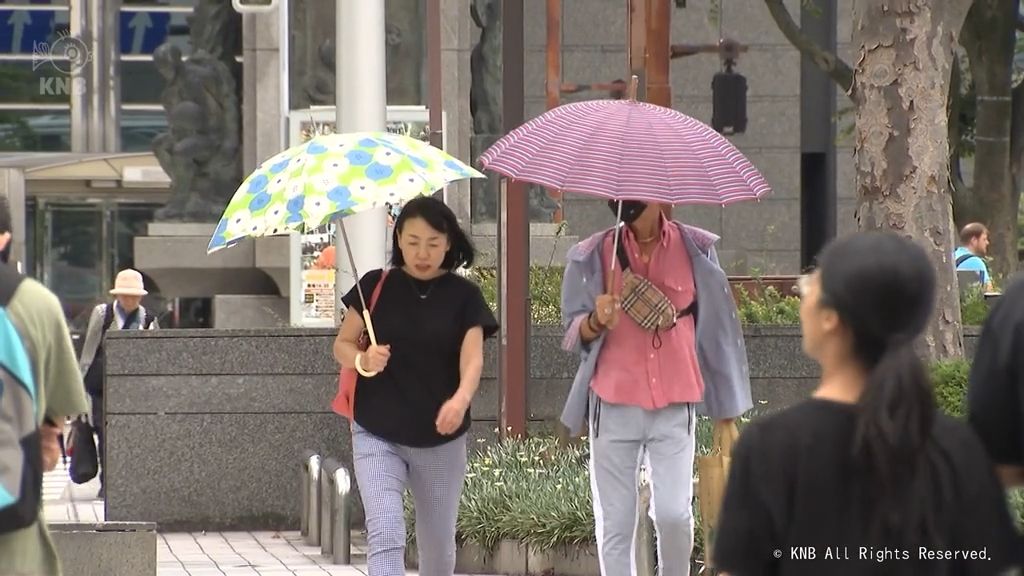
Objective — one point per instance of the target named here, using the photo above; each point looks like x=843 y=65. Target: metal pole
x=307 y=461
x=361 y=105
x=341 y=517
x=313 y=531
x=112 y=76
x=513 y=239
x=434 y=79
x=327 y=470
x=554 y=76
x=80 y=76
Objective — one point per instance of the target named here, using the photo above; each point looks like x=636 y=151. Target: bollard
x=341 y=517
x=307 y=457
x=645 y=544
x=327 y=470
x=313 y=503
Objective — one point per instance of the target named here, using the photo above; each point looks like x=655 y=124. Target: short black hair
x=440 y=217
x=5 y=215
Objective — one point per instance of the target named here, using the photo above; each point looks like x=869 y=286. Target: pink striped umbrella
x=626 y=150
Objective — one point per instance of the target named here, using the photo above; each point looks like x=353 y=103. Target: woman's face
x=818 y=324
x=423 y=248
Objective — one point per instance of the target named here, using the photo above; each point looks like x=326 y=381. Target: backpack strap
x=964 y=258
x=376 y=289
x=108 y=318
x=10 y=279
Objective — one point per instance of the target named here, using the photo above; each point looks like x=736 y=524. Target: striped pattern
x=626 y=150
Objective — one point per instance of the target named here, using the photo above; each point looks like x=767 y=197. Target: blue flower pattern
x=419 y=169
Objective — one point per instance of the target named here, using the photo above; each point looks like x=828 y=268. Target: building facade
x=80 y=105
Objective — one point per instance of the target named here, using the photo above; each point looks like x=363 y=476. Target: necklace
x=416 y=288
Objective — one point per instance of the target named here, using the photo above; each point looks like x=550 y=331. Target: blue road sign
x=142 y=32
x=22 y=31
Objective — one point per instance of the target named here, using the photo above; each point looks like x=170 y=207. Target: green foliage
x=545 y=291
x=973 y=307
x=949 y=379
x=769 y=308
x=532 y=490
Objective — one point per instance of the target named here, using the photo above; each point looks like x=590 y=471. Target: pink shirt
x=631 y=370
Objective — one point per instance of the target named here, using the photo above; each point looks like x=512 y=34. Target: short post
x=307 y=459
x=327 y=470
x=313 y=503
x=341 y=517
x=645 y=552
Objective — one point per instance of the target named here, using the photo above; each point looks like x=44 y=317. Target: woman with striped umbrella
x=630 y=302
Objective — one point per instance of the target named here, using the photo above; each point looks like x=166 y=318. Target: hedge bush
x=537 y=490
x=769 y=308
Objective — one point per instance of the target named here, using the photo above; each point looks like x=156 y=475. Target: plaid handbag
x=642 y=301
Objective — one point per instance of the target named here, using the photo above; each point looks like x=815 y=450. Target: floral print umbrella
x=332 y=176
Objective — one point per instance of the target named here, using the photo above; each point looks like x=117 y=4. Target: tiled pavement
x=207 y=553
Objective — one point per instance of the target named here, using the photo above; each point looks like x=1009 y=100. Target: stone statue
x=485 y=107
x=201 y=149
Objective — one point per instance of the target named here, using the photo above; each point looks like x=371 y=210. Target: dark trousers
x=100 y=426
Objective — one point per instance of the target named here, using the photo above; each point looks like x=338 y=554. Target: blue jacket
x=720 y=348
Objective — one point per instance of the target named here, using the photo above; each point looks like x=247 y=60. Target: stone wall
x=205 y=428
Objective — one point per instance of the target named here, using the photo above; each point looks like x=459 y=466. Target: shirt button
x=652 y=356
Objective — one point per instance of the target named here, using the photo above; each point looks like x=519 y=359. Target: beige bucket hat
x=128 y=283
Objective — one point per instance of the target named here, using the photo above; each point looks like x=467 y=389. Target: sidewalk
x=207 y=553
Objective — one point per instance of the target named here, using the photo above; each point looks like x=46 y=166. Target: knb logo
x=66 y=56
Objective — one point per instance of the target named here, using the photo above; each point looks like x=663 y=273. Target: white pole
x=361 y=98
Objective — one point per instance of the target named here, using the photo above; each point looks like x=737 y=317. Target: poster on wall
x=317 y=258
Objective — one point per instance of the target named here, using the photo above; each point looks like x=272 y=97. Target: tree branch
x=829 y=63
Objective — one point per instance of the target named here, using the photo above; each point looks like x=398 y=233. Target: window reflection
x=22 y=129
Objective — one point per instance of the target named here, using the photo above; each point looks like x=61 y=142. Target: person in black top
x=411 y=416
x=995 y=394
x=866 y=477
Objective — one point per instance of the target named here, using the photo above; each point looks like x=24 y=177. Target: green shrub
x=949 y=379
x=769 y=308
x=545 y=291
x=973 y=307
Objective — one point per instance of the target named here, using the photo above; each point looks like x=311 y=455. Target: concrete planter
x=515 y=558
x=168 y=391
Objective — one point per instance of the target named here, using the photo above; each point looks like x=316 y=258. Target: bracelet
x=591 y=324
x=359 y=366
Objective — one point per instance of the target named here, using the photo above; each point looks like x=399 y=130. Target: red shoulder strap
x=376 y=289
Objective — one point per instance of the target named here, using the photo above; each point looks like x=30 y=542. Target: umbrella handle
x=373 y=342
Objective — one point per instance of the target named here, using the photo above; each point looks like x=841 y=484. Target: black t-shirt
x=793 y=507
x=425 y=323
x=995 y=396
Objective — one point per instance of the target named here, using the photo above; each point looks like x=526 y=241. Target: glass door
x=73 y=262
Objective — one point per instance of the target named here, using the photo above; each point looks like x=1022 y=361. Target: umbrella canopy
x=626 y=150
x=331 y=176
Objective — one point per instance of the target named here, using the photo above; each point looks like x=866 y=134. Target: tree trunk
x=989 y=35
x=901 y=83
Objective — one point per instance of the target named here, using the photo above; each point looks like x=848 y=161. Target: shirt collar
x=666 y=228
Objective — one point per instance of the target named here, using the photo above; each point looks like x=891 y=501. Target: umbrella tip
x=634 y=82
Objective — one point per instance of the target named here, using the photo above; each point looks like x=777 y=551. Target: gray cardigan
x=721 y=351
x=93 y=335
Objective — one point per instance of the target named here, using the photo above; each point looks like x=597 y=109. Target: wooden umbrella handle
x=373 y=342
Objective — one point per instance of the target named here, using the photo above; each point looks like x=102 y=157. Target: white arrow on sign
x=18 y=20
x=139 y=24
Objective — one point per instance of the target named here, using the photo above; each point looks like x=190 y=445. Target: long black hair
x=882 y=286
x=440 y=217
